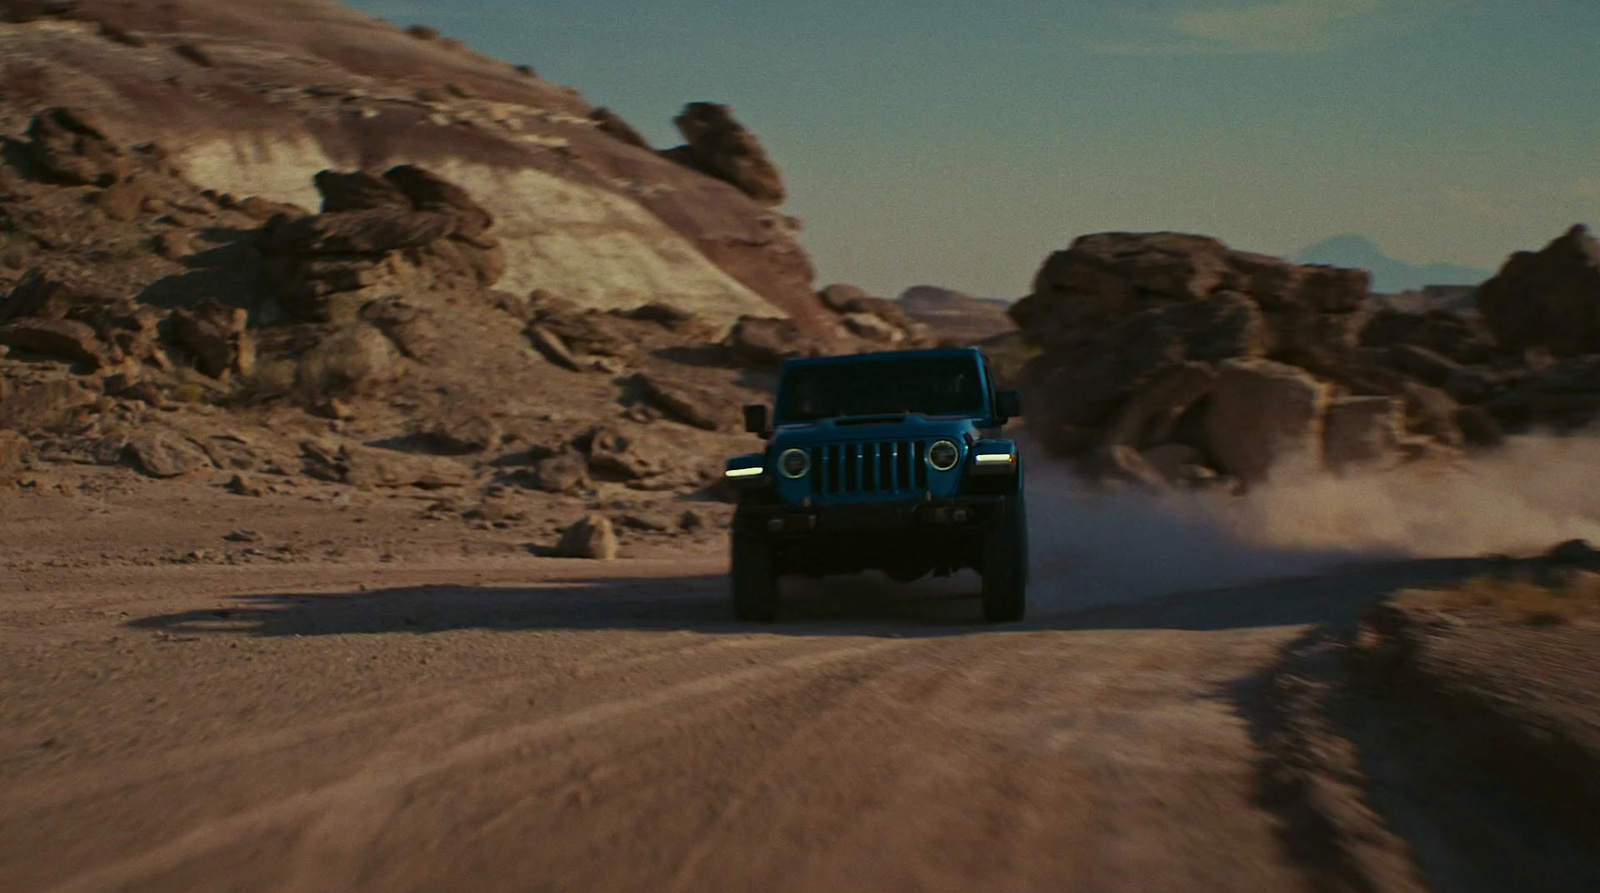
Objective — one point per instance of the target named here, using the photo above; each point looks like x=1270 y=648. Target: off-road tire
x=754 y=579
x=1005 y=564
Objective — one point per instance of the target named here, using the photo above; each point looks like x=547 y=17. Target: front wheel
x=754 y=579
x=1005 y=564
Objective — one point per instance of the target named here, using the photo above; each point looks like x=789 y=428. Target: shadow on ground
x=859 y=606
x=1346 y=750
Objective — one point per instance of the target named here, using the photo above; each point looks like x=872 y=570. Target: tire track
x=345 y=805
x=57 y=791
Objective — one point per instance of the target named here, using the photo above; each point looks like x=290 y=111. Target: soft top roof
x=885 y=356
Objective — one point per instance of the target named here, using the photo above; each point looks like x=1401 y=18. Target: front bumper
x=954 y=513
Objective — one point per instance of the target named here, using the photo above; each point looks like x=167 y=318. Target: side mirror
x=1007 y=404
x=757 y=419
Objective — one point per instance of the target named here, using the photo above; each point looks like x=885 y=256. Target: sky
x=958 y=143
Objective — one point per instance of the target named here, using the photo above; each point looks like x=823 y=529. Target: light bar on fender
x=990 y=459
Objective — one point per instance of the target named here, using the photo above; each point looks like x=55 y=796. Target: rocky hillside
x=1171 y=358
x=251 y=100
x=152 y=325
x=290 y=250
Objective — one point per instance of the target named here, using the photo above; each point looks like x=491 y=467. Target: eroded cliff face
x=253 y=99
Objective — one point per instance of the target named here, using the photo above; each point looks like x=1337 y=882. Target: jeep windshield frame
x=951 y=384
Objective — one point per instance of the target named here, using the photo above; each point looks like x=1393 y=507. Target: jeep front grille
x=890 y=466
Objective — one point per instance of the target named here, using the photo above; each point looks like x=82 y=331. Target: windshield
x=927 y=385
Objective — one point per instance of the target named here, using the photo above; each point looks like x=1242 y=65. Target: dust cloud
x=1100 y=547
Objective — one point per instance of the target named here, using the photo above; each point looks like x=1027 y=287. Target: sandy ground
x=449 y=712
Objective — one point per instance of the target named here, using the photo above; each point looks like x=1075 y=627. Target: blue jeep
x=882 y=461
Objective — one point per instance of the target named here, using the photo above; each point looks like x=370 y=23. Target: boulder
x=166 y=454
x=370 y=232
x=1084 y=387
x=72 y=148
x=1105 y=277
x=239 y=485
x=1432 y=412
x=593 y=538
x=1151 y=417
x=1300 y=335
x=66 y=339
x=618 y=455
x=1265 y=417
x=128 y=328
x=216 y=335
x=586 y=332
x=358 y=191
x=1115 y=313
x=720 y=147
x=767 y=342
x=109 y=449
x=463 y=433
x=1460 y=338
x=1548 y=299
x=684 y=402
x=429 y=193
x=1363 y=432
x=1222 y=327
x=372 y=468
x=552 y=347
x=561 y=473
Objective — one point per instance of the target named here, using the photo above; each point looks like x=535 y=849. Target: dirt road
x=533 y=725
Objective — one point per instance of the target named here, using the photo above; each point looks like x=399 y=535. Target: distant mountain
x=1388 y=274
x=956 y=316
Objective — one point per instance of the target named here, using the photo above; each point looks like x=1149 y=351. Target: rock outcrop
x=254 y=100
x=1548 y=299
x=1265 y=416
x=1164 y=340
x=407 y=230
x=717 y=145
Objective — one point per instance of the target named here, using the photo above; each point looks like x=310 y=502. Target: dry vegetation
x=1564 y=596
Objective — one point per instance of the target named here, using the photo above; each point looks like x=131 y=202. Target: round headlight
x=794 y=463
x=943 y=455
